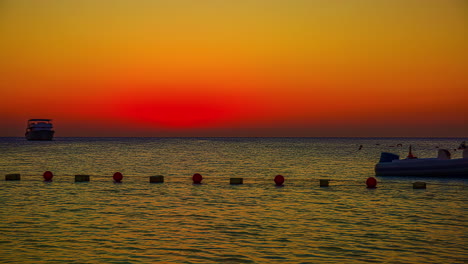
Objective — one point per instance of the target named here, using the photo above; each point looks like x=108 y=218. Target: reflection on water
x=257 y=222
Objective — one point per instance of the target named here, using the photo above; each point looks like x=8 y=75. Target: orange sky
x=235 y=68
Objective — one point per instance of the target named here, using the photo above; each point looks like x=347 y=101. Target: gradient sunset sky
x=235 y=67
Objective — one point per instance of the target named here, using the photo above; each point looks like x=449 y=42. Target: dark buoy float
x=197 y=178
x=156 y=179
x=279 y=180
x=81 y=178
x=419 y=185
x=371 y=182
x=236 y=181
x=324 y=182
x=13 y=177
x=48 y=175
x=117 y=177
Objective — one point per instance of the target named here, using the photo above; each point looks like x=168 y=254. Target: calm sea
x=215 y=222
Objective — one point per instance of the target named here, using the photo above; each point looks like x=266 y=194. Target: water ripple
x=178 y=222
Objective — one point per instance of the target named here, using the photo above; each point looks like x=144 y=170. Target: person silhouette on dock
x=410 y=154
x=462 y=145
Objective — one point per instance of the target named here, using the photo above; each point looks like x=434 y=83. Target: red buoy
x=197 y=178
x=48 y=176
x=279 y=180
x=118 y=177
x=371 y=182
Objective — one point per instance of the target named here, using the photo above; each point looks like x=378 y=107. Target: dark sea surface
x=215 y=222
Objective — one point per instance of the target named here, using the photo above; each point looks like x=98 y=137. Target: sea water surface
x=215 y=222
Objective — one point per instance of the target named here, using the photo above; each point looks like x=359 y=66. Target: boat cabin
x=39 y=124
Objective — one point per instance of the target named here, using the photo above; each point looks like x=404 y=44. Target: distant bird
x=360 y=147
